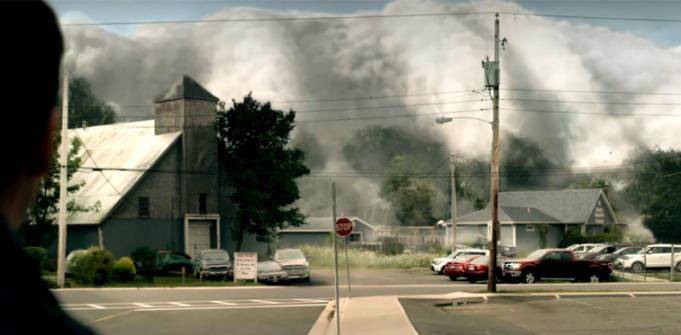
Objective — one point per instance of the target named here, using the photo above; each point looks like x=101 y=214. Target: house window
x=143 y=207
x=202 y=203
x=529 y=227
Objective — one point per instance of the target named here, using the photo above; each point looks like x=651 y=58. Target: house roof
x=322 y=224
x=130 y=148
x=564 y=206
x=186 y=88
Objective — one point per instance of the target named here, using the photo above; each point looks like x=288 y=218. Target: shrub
x=124 y=270
x=145 y=262
x=323 y=256
x=38 y=254
x=93 y=266
x=391 y=246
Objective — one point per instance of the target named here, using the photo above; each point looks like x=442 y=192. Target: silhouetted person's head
x=30 y=59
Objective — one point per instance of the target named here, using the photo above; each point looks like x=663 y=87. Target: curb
x=321 y=326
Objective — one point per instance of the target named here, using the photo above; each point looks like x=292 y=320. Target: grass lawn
x=322 y=257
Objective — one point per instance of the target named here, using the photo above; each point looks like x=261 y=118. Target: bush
x=93 y=266
x=38 y=254
x=145 y=262
x=391 y=246
x=124 y=270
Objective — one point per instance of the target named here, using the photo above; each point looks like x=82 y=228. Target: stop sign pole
x=335 y=259
x=344 y=227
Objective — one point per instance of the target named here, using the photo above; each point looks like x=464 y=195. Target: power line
x=279 y=19
x=590 y=91
x=618 y=114
x=595 y=102
x=372 y=16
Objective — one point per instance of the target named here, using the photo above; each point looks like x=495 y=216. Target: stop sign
x=343 y=227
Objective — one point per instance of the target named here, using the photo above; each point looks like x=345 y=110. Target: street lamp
x=443 y=120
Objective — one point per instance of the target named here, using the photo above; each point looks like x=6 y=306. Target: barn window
x=202 y=203
x=143 y=207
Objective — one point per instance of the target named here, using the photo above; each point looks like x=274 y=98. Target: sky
x=666 y=34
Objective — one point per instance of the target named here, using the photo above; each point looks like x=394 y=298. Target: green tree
x=411 y=199
x=40 y=229
x=261 y=167
x=85 y=107
x=654 y=185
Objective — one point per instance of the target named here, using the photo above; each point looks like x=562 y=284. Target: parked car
x=295 y=264
x=173 y=262
x=271 y=272
x=438 y=264
x=581 y=249
x=656 y=256
x=213 y=262
x=554 y=264
x=618 y=254
x=456 y=268
x=597 y=250
x=476 y=269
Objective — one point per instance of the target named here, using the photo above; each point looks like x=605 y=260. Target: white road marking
x=312 y=300
x=169 y=309
x=179 y=304
x=632 y=295
x=264 y=301
x=96 y=306
x=142 y=305
x=484 y=297
x=223 y=303
x=557 y=296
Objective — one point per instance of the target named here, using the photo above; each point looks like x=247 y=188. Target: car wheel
x=307 y=279
x=472 y=280
x=637 y=267
x=442 y=270
x=452 y=278
x=678 y=267
x=594 y=278
x=529 y=277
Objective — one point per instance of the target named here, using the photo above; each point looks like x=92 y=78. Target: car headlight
x=513 y=266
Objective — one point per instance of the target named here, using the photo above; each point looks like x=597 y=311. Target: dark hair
x=31 y=57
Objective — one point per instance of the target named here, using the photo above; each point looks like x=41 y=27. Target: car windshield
x=215 y=255
x=537 y=254
x=289 y=254
x=269 y=266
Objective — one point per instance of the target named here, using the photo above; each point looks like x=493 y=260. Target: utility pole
x=492 y=78
x=335 y=257
x=63 y=179
x=453 y=200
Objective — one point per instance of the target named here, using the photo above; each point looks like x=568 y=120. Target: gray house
x=527 y=217
x=154 y=183
x=317 y=231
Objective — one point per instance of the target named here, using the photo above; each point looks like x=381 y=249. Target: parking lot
x=548 y=315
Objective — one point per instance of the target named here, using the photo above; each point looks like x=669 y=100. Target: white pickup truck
x=654 y=256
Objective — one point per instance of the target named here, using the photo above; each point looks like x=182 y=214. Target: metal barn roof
x=132 y=147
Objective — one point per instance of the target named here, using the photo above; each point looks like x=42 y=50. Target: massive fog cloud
x=303 y=60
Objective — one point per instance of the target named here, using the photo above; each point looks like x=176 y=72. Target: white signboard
x=245 y=265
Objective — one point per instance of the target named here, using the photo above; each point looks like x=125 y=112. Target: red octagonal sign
x=344 y=227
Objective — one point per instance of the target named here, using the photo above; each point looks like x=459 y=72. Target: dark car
x=477 y=268
x=618 y=253
x=173 y=262
x=598 y=250
x=555 y=264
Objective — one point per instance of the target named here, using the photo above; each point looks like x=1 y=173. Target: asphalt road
x=288 y=309
x=564 y=316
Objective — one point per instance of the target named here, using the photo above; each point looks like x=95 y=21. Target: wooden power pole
x=63 y=179
x=492 y=76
